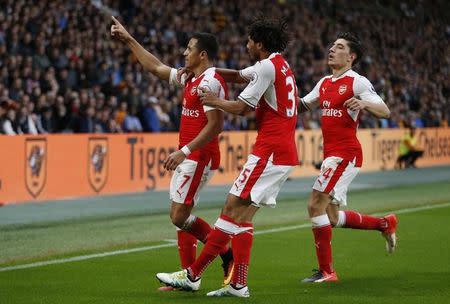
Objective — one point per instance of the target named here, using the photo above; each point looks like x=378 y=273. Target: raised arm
x=233 y=76
x=237 y=107
x=147 y=59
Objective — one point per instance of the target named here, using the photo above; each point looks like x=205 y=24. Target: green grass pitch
x=418 y=272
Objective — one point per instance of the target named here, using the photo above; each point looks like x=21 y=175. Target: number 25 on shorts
x=244 y=175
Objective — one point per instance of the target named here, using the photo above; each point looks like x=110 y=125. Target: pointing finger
x=115 y=20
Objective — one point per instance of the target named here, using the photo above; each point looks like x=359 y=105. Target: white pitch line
x=172 y=244
x=85 y=257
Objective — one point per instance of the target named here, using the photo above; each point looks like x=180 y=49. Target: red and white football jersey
x=339 y=124
x=193 y=117
x=272 y=91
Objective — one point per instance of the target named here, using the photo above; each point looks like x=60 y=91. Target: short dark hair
x=354 y=44
x=207 y=42
x=272 y=33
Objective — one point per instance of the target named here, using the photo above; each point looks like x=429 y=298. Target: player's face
x=252 y=49
x=191 y=54
x=339 y=54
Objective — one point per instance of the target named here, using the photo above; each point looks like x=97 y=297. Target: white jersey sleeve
x=212 y=84
x=311 y=100
x=173 y=79
x=263 y=77
x=363 y=89
x=247 y=73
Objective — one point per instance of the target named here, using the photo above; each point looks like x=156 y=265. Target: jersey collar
x=341 y=76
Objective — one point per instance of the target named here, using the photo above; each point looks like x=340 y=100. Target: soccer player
x=198 y=156
x=341 y=97
x=272 y=94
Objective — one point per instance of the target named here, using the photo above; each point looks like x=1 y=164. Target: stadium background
x=61 y=73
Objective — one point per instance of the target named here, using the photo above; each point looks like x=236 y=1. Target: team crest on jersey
x=193 y=90
x=35 y=165
x=98 y=162
x=342 y=89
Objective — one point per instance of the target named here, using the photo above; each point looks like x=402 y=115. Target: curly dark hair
x=272 y=33
x=354 y=44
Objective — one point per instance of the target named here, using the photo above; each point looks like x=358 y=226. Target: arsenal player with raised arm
x=198 y=156
x=341 y=97
x=271 y=92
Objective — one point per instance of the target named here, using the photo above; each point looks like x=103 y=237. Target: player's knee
x=228 y=210
x=313 y=207
x=318 y=202
x=178 y=218
x=333 y=219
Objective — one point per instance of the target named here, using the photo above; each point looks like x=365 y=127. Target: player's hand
x=184 y=71
x=118 y=31
x=207 y=97
x=355 y=104
x=174 y=160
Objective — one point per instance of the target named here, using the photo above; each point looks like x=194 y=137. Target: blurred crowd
x=60 y=71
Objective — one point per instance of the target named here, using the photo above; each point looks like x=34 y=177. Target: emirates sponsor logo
x=342 y=89
x=190 y=113
x=332 y=112
x=327 y=111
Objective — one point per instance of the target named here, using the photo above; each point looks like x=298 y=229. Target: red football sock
x=200 y=229
x=187 y=248
x=356 y=220
x=241 y=245
x=217 y=240
x=322 y=239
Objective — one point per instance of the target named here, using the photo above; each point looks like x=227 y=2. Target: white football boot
x=230 y=291
x=179 y=279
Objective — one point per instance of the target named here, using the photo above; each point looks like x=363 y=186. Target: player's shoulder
x=360 y=82
x=276 y=60
x=211 y=74
x=358 y=78
x=212 y=79
x=266 y=67
x=325 y=78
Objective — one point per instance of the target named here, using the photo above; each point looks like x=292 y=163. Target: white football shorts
x=260 y=179
x=188 y=180
x=336 y=174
